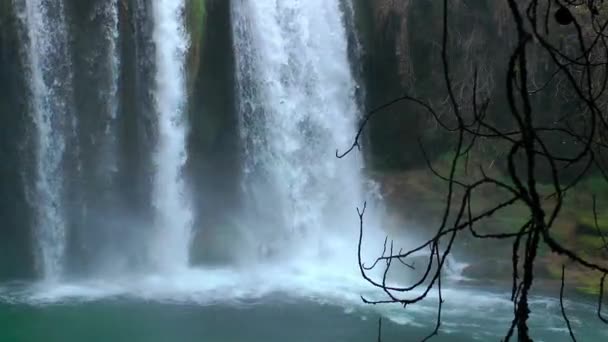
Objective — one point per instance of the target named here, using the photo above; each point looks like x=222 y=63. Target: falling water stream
x=49 y=79
x=112 y=36
x=297 y=105
x=172 y=208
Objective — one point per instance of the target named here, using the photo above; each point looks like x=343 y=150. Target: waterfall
x=49 y=79
x=77 y=142
x=109 y=135
x=297 y=106
x=173 y=216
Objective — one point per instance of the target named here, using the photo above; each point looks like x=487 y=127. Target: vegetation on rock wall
x=402 y=50
x=196 y=12
x=213 y=139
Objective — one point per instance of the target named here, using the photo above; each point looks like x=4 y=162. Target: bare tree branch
x=579 y=76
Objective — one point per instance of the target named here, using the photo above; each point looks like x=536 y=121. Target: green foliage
x=596 y=184
x=195 y=21
x=591 y=242
x=443 y=165
x=588 y=283
x=512 y=218
x=587 y=220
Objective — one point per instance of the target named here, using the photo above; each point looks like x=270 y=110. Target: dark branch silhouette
x=579 y=72
x=561 y=304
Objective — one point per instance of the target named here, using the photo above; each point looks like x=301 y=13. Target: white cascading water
x=173 y=215
x=297 y=106
x=112 y=34
x=48 y=80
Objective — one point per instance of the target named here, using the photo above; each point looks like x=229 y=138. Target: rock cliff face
x=14 y=223
x=402 y=55
x=401 y=43
x=196 y=15
x=214 y=137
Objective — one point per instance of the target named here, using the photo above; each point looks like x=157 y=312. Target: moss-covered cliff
x=196 y=13
x=214 y=138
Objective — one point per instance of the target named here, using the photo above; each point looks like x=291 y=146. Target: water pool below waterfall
x=223 y=305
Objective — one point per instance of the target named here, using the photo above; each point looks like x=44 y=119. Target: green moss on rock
x=586 y=222
x=196 y=13
x=591 y=242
